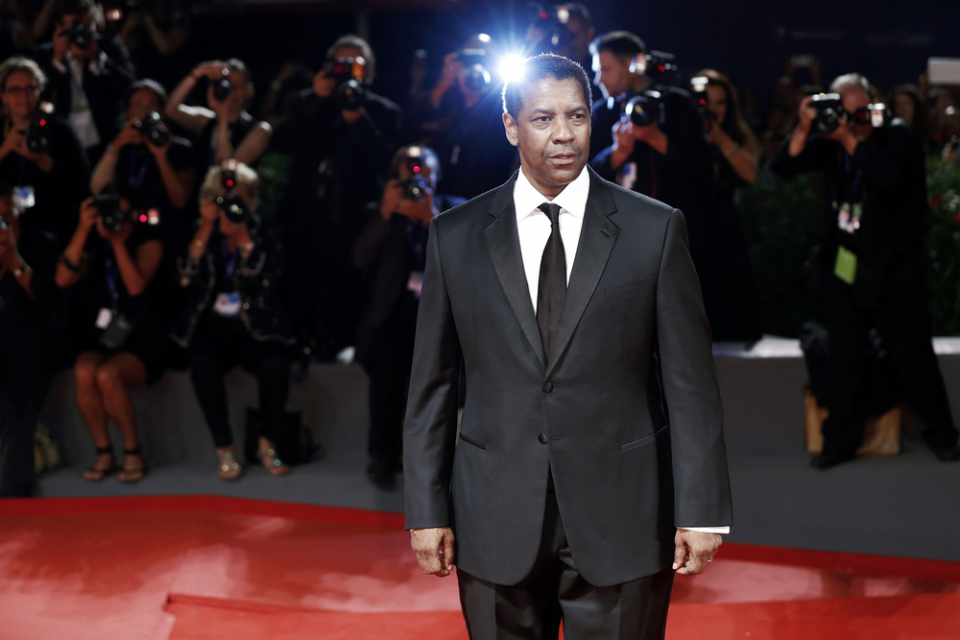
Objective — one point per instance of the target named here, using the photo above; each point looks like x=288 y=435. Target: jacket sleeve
x=430 y=431
x=690 y=388
x=884 y=164
x=815 y=156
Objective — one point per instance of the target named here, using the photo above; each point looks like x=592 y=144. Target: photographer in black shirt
x=89 y=72
x=341 y=145
x=30 y=304
x=232 y=316
x=667 y=157
x=872 y=264
x=391 y=251
x=40 y=155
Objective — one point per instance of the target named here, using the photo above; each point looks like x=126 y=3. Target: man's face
x=581 y=34
x=142 y=103
x=552 y=132
x=20 y=94
x=69 y=20
x=611 y=75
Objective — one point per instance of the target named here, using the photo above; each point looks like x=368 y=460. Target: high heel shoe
x=131 y=475
x=228 y=468
x=272 y=463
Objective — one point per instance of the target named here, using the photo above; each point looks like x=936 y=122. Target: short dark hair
x=151 y=85
x=622 y=44
x=65 y=8
x=545 y=65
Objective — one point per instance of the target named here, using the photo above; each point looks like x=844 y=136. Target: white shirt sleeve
x=707 y=529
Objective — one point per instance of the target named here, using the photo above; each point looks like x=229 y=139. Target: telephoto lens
x=645 y=109
x=415 y=186
x=233 y=207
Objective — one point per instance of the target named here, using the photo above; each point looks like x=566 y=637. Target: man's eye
x=543 y=119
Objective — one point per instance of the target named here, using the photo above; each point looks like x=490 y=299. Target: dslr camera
x=698 y=91
x=81 y=36
x=230 y=202
x=36 y=135
x=552 y=23
x=415 y=187
x=222 y=87
x=348 y=74
x=477 y=78
x=108 y=210
x=645 y=108
x=829 y=107
x=154 y=129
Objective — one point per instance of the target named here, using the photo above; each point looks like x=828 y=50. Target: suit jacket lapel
x=597 y=238
x=503 y=242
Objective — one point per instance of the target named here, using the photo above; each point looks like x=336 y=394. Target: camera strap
x=230 y=261
x=113 y=274
x=135 y=179
x=417 y=238
x=852 y=193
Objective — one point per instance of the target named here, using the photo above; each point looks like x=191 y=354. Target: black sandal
x=95 y=473
x=135 y=474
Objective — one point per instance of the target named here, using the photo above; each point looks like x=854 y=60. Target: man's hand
x=392 y=196
x=694 y=550
x=61 y=44
x=434 y=549
x=323 y=85
x=807 y=115
x=128 y=135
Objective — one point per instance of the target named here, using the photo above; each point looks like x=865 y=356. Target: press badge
x=415 y=283
x=227 y=304
x=846 y=265
x=104 y=318
x=23 y=198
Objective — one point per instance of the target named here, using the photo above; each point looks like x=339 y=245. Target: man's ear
x=510 y=126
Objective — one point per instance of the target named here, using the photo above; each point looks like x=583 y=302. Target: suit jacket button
x=548 y=387
x=542 y=438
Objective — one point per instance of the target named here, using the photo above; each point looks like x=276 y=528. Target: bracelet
x=246 y=248
x=735 y=150
x=76 y=268
x=199 y=244
x=22 y=269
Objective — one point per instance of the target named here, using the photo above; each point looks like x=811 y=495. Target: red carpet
x=185 y=568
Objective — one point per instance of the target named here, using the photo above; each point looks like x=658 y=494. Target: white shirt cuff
x=707 y=529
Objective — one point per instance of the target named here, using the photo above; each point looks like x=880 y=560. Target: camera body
x=81 y=36
x=698 y=91
x=552 y=23
x=37 y=139
x=829 y=107
x=108 y=210
x=348 y=74
x=645 y=108
x=222 y=87
x=154 y=128
x=230 y=202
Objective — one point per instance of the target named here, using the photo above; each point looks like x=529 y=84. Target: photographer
x=391 y=252
x=40 y=155
x=341 y=148
x=156 y=165
x=232 y=316
x=667 y=158
x=730 y=288
x=89 y=74
x=872 y=263
x=224 y=129
x=30 y=306
x=122 y=330
x=473 y=152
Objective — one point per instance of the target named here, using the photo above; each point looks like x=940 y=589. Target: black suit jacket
x=625 y=411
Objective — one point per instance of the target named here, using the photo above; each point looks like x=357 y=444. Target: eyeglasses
x=22 y=91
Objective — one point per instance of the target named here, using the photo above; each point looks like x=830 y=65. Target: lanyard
x=229 y=264
x=417 y=237
x=113 y=274
x=856 y=178
x=135 y=179
x=22 y=172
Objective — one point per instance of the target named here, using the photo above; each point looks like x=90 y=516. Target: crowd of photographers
x=130 y=241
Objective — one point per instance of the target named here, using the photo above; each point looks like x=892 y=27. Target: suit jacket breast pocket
x=630 y=289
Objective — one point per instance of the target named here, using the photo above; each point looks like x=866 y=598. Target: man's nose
x=563 y=130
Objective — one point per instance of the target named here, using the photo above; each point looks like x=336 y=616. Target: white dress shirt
x=534 y=228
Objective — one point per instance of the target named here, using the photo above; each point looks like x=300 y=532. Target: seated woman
x=223 y=129
x=123 y=340
x=233 y=315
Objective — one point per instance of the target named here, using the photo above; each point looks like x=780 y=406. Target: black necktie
x=553 y=281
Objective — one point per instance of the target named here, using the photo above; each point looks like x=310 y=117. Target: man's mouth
x=563 y=159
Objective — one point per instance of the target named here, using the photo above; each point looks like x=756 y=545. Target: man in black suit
x=592 y=437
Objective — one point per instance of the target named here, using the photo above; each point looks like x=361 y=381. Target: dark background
x=748 y=39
